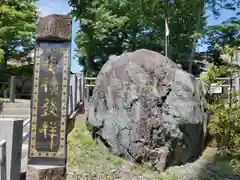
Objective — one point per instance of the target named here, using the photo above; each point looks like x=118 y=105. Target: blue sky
x=47 y=7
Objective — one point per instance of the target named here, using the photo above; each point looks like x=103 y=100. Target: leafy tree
x=225 y=124
x=96 y=22
x=213 y=6
x=112 y=27
x=225 y=34
x=17 y=28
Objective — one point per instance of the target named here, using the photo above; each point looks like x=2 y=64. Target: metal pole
x=12 y=89
x=166 y=46
x=166 y=28
x=82 y=88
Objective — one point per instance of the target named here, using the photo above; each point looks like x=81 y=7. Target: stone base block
x=46 y=173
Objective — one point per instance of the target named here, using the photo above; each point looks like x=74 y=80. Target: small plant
x=225 y=129
x=235 y=163
x=225 y=124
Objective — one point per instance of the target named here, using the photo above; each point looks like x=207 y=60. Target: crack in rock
x=146 y=109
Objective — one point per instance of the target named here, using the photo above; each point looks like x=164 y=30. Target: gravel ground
x=88 y=162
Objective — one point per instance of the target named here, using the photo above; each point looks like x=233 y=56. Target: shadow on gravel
x=219 y=167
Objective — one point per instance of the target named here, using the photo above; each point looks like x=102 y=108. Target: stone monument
x=147 y=109
x=49 y=106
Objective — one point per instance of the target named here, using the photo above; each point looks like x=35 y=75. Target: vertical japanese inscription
x=49 y=107
x=49 y=130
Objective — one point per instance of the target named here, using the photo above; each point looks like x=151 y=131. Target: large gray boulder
x=145 y=108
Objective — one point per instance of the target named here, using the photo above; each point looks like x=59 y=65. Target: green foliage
x=227 y=33
x=90 y=160
x=215 y=6
x=210 y=77
x=20 y=71
x=113 y=27
x=24 y=73
x=17 y=27
x=225 y=124
x=235 y=163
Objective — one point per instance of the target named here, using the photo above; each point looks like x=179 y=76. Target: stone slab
x=46 y=173
x=54 y=27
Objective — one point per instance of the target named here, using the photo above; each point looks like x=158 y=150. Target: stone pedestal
x=46 y=173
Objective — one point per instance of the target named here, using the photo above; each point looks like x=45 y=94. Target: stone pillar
x=11 y=130
x=47 y=154
x=12 y=89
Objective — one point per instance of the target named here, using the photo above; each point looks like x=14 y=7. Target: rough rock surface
x=145 y=108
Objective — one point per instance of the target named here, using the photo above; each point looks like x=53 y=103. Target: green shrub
x=235 y=163
x=225 y=124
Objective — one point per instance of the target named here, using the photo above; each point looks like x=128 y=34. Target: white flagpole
x=166 y=29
